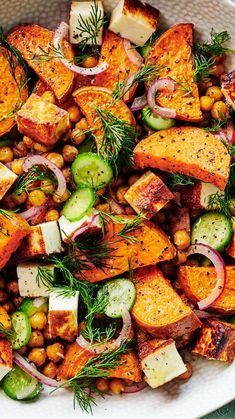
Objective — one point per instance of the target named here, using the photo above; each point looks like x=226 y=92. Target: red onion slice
x=60 y=34
x=135 y=388
x=222 y=136
x=219 y=265
x=204 y=315
x=138 y=103
x=85 y=228
x=230 y=132
x=42 y=161
x=128 y=89
x=132 y=54
x=32 y=212
x=160 y=84
x=33 y=372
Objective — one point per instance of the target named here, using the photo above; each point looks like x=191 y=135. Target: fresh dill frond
x=45 y=276
x=130 y=227
x=177 y=179
x=151 y=41
x=118 y=141
x=25 y=182
x=185 y=87
x=90 y=27
x=6 y=213
x=203 y=67
x=84 y=395
x=230 y=147
x=8 y=334
x=217 y=125
x=219 y=202
x=43 y=55
x=216 y=45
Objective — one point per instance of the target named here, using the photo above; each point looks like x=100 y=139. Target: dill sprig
x=25 y=183
x=216 y=45
x=47 y=54
x=9 y=334
x=90 y=27
x=230 y=147
x=118 y=139
x=130 y=227
x=177 y=179
x=217 y=125
x=219 y=202
x=203 y=67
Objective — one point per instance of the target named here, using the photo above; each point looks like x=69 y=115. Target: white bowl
x=212 y=384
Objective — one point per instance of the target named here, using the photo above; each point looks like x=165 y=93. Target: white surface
x=212 y=384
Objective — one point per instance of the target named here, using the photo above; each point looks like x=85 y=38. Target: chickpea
x=90 y=62
x=20 y=149
x=219 y=110
x=119 y=181
x=132 y=179
x=36 y=339
x=102 y=384
x=28 y=142
x=120 y=194
x=206 y=103
x=50 y=370
x=117 y=386
x=75 y=113
x=77 y=136
x=52 y=215
x=38 y=356
x=48 y=96
x=17 y=300
x=41 y=148
x=13 y=287
x=19 y=199
x=58 y=199
x=67 y=174
x=8 y=201
x=82 y=124
x=2 y=283
x=187 y=374
x=38 y=320
x=69 y=153
x=103 y=207
x=181 y=257
x=22 y=350
x=56 y=158
x=17 y=166
x=6 y=154
x=37 y=198
x=215 y=93
x=129 y=211
x=55 y=352
x=47 y=186
x=3 y=297
x=182 y=239
x=9 y=307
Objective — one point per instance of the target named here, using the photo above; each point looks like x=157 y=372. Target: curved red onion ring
x=128 y=89
x=32 y=212
x=33 y=372
x=204 y=315
x=62 y=32
x=230 y=132
x=82 y=230
x=219 y=265
x=138 y=103
x=135 y=388
x=160 y=84
x=42 y=161
x=132 y=54
x=222 y=136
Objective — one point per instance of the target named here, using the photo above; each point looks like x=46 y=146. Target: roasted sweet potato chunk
x=35 y=42
x=12 y=92
x=216 y=341
x=6 y=358
x=172 y=53
x=198 y=283
x=148 y=195
x=158 y=309
x=150 y=245
x=5 y=320
x=187 y=150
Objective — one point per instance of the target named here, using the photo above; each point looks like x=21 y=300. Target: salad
x=117 y=203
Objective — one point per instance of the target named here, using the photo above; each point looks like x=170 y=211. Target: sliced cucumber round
x=90 y=169
x=18 y=385
x=213 y=229
x=21 y=329
x=28 y=307
x=79 y=203
x=121 y=296
x=156 y=122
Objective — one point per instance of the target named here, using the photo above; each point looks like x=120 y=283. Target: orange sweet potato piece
x=120 y=67
x=152 y=246
x=13 y=229
x=5 y=320
x=30 y=40
x=158 y=309
x=172 y=52
x=12 y=96
x=6 y=358
x=92 y=97
x=198 y=282
x=187 y=150
x=129 y=368
x=216 y=341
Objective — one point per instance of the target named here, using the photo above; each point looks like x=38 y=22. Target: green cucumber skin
x=29 y=309
x=100 y=179
x=13 y=378
x=67 y=207
x=114 y=307
x=25 y=331
x=198 y=235
x=154 y=122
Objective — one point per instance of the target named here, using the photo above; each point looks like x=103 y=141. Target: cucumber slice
x=28 y=307
x=213 y=229
x=21 y=328
x=90 y=169
x=79 y=203
x=18 y=385
x=121 y=296
x=155 y=122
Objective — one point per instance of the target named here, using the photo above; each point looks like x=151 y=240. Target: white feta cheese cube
x=6 y=361
x=30 y=284
x=134 y=21
x=63 y=316
x=68 y=228
x=83 y=11
x=7 y=178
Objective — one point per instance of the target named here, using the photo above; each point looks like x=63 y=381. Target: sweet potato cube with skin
x=151 y=245
x=13 y=228
x=198 y=283
x=228 y=88
x=129 y=368
x=216 y=341
x=198 y=195
x=179 y=219
x=7 y=178
x=148 y=195
x=188 y=150
x=160 y=361
x=158 y=309
x=42 y=121
x=6 y=358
